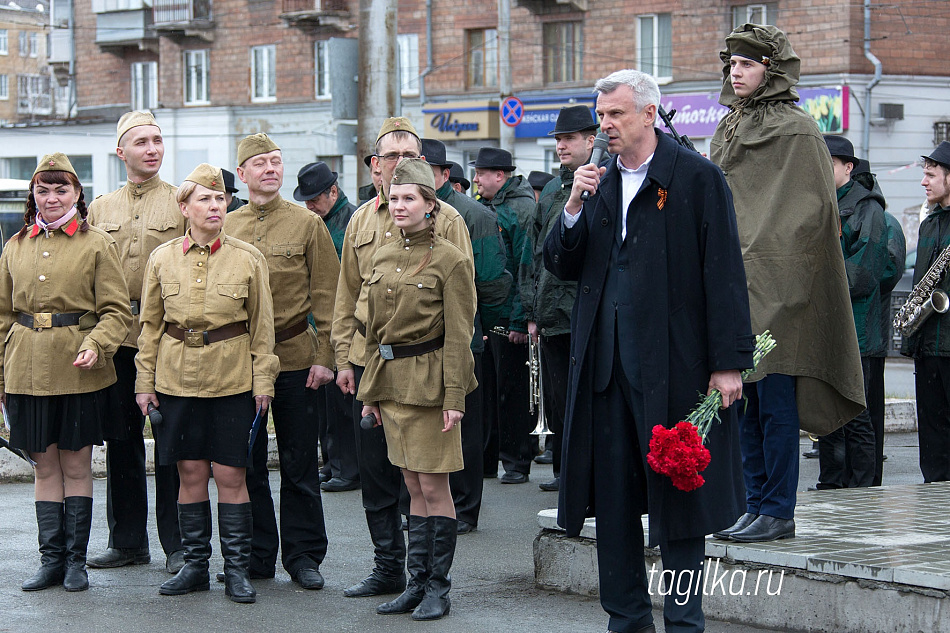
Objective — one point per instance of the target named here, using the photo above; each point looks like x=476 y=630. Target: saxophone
x=924 y=299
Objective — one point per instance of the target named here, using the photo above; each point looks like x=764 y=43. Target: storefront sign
x=461 y=120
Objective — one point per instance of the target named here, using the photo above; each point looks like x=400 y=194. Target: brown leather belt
x=197 y=338
x=44 y=320
x=291 y=332
x=389 y=352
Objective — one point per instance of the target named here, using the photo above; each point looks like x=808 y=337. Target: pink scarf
x=52 y=226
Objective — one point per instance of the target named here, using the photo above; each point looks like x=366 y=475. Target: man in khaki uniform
x=139 y=216
x=370 y=228
x=303 y=275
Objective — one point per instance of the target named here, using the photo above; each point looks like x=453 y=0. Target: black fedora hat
x=537 y=179
x=457 y=174
x=575 y=118
x=840 y=147
x=312 y=180
x=368 y=160
x=228 y=181
x=941 y=155
x=493 y=158
x=434 y=151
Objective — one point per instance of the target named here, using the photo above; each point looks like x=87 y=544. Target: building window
x=4 y=87
x=409 y=64
x=196 y=78
x=34 y=45
x=563 y=45
x=321 y=69
x=4 y=42
x=24 y=43
x=117 y=173
x=18 y=167
x=655 y=50
x=754 y=14
x=482 y=58
x=144 y=85
x=264 y=73
x=34 y=94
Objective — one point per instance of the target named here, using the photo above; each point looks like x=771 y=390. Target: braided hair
x=54 y=178
x=428 y=195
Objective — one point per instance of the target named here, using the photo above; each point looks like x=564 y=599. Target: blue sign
x=512 y=111
x=539 y=123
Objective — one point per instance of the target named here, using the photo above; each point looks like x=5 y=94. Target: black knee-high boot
x=443 y=532
x=385 y=528
x=77 y=520
x=417 y=563
x=194 y=522
x=52 y=539
x=235 y=528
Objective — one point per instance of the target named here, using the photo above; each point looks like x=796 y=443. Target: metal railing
x=181 y=11
x=313 y=6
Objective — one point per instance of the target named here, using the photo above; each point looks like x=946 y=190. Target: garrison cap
x=396 y=124
x=55 y=162
x=133 y=119
x=413 y=171
x=207 y=176
x=253 y=145
x=738 y=43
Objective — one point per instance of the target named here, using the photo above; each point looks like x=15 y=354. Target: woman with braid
x=64 y=310
x=420 y=368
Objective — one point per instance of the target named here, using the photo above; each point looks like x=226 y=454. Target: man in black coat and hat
x=661 y=316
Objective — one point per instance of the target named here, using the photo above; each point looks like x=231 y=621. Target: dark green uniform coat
x=933 y=337
x=514 y=205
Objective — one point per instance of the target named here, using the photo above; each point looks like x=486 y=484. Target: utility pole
x=506 y=133
x=378 y=76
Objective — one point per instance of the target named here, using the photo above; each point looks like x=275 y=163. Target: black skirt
x=71 y=421
x=211 y=429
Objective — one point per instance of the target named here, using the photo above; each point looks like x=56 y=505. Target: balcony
x=544 y=7
x=34 y=95
x=119 y=29
x=184 y=17
x=331 y=13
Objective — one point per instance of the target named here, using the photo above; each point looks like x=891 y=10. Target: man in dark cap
x=492 y=283
x=847 y=455
x=229 y=190
x=548 y=301
x=457 y=177
x=930 y=350
x=318 y=188
x=537 y=180
x=512 y=200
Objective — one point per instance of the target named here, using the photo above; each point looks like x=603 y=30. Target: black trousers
x=846 y=457
x=516 y=445
x=620 y=498
x=875 y=396
x=466 y=484
x=126 y=484
x=336 y=411
x=932 y=378
x=555 y=363
x=303 y=534
x=489 y=388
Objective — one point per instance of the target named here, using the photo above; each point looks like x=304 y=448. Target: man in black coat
x=661 y=316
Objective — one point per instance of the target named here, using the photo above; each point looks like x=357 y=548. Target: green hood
x=781 y=74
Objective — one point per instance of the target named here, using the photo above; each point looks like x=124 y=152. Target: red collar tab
x=187 y=244
x=215 y=246
x=73 y=226
x=35 y=231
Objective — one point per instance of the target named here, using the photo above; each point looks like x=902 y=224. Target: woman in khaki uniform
x=64 y=310
x=206 y=357
x=421 y=308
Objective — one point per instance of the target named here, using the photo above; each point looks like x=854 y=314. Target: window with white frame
x=4 y=87
x=563 y=51
x=196 y=77
x=482 y=50
x=34 y=44
x=764 y=13
x=144 y=85
x=321 y=69
x=4 y=42
x=24 y=43
x=264 y=73
x=655 y=45
x=408 y=64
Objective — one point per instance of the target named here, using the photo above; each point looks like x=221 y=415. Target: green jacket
x=864 y=245
x=492 y=281
x=514 y=206
x=336 y=221
x=547 y=300
x=933 y=238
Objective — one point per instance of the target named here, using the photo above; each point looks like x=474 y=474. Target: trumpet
x=536 y=387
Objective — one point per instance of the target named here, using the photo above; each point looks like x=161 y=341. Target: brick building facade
x=25 y=89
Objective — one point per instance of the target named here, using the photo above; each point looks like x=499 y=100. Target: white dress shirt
x=631 y=181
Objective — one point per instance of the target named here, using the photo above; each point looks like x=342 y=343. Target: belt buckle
x=386 y=352
x=194 y=338
x=42 y=320
x=135 y=307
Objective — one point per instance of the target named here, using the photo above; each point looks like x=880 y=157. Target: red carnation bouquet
x=679 y=453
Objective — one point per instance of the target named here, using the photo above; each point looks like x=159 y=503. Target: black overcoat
x=688 y=276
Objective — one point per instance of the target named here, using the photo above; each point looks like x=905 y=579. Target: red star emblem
x=52 y=163
x=397 y=123
x=213 y=183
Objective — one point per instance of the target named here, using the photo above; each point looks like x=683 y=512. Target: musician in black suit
x=662 y=314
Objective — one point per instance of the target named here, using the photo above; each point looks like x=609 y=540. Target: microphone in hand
x=600 y=150
x=368 y=422
x=154 y=415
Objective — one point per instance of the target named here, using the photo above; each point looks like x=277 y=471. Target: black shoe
x=309 y=578
x=340 y=485
x=194 y=520
x=744 y=521
x=325 y=476
x=547 y=457
x=175 y=561
x=443 y=533
x=52 y=540
x=514 y=477
x=374 y=585
x=465 y=527
x=417 y=563
x=550 y=486
x=490 y=475
x=389 y=556
x=812 y=454
x=764 y=529
x=120 y=557
x=77 y=519
x=252 y=573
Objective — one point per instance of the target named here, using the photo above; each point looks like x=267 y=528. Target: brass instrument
x=536 y=387
x=924 y=299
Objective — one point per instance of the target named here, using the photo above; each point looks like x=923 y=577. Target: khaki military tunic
x=303 y=274
x=63 y=271
x=204 y=288
x=371 y=228
x=139 y=217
